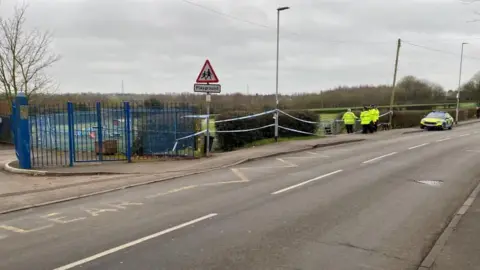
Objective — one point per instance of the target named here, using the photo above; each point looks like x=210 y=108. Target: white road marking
x=289 y=164
x=418 y=146
x=223 y=183
x=240 y=175
x=463 y=135
x=306 y=182
x=133 y=243
x=171 y=191
x=445 y=139
x=380 y=157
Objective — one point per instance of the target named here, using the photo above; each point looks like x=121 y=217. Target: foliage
x=230 y=141
x=24 y=57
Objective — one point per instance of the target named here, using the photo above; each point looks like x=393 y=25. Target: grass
x=328 y=116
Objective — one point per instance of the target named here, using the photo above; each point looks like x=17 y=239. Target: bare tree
x=24 y=57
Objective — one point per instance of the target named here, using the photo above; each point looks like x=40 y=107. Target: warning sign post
x=206 y=76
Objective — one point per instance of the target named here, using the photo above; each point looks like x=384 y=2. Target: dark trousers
x=349 y=128
x=374 y=126
x=365 y=129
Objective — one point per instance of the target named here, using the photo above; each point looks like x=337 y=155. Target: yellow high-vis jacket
x=365 y=118
x=349 y=118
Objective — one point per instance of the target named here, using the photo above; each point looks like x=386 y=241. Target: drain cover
x=435 y=183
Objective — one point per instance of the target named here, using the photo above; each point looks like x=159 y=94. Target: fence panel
x=155 y=131
x=49 y=135
x=6 y=132
x=99 y=132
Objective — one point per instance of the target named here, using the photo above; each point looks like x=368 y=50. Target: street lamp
x=459 y=84
x=276 y=79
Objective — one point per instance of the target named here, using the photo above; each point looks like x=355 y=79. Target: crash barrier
x=71 y=133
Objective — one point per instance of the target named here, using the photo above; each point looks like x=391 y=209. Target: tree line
x=410 y=90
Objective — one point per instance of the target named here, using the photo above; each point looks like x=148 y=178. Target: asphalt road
x=371 y=205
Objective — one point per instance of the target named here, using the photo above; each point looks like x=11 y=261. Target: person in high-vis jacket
x=375 y=115
x=349 y=119
x=365 y=120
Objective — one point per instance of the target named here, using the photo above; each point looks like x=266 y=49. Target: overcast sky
x=159 y=46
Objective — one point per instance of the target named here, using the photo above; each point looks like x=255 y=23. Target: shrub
x=231 y=140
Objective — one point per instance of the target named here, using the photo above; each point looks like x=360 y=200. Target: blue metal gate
x=63 y=135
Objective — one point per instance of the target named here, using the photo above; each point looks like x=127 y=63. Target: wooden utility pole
x=392 y=97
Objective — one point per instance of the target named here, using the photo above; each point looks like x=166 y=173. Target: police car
x=437 y=120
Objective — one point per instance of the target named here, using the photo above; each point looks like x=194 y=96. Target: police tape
x=297 y=131
x=387 y=113
x=187 y=137
x=245 y=117
x=201 y=116
x=244 y=130
x=298 y=119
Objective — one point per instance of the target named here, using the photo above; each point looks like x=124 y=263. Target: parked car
x=437 y=120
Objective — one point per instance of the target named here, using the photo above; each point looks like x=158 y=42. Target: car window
x=436 y=115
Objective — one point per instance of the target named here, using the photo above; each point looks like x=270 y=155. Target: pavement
x=462 y=248
x=378 y=204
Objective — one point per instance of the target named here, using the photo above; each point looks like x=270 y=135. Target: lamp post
x=276 y=78
x=459 y=84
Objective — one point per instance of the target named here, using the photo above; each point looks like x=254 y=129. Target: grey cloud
x=160 y=46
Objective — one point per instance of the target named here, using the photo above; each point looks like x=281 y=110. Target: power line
x=225 y=14
x=232 y=17
x=438 y=50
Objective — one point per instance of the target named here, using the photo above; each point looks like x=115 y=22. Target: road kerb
x=9 y=168
x=429 y=260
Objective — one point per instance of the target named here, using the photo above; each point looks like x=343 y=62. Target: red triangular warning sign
x=207 y=74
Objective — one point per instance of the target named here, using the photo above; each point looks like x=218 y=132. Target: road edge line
x=134 y=242
x=437 y=248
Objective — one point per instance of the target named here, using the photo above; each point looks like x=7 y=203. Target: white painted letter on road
x=95 y=211
x=123 y=205
x=61 y=219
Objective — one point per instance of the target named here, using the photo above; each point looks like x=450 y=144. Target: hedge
x=231 y=140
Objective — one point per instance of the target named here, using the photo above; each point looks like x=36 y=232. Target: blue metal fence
x=65 y=134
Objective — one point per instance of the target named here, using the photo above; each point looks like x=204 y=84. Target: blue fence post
x=22 y=131
x=71 y=135
x=100 y=130
x=128 y=150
